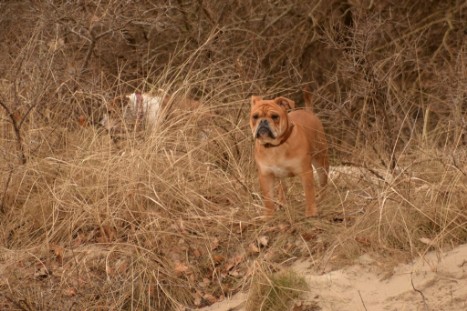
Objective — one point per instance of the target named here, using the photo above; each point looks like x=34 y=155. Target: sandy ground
x=435 y=281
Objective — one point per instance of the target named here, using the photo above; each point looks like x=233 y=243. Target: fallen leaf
x=197 y=300
x=196 y=252
x=233 y=262
x=253 y=248
x=234 y=273
x=69 y=292
x=308 y=236
x=218 y=259
x=263 y=241
x=42 y=273
x=82 y=120
x=180 y=268
x=58 y=251
x=205 y=282
x=426 y=241
x=283 y=227
x=79 y=282
x=214 y=244
x=363 y=240
x=210 y=298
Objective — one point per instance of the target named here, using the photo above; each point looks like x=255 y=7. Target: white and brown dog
x=288 y=144
x=145 y=109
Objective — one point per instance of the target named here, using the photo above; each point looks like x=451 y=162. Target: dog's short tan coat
x=288 y=144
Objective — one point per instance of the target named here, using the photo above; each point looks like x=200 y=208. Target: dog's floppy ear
x=285 y=103
x=255 y=99
x=117 y=103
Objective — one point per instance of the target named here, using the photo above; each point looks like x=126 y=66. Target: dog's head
x=115 y=111
x=268 y=118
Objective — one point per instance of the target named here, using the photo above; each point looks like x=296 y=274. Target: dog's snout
x=263 y=126
x=263 y=129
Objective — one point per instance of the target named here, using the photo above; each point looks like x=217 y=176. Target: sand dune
x=435 y=281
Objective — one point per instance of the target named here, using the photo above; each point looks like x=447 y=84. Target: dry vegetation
x=168 y=221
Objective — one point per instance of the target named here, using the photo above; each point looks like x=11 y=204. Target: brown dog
x=288 y=144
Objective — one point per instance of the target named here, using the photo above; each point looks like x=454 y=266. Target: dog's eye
x=255 y=117
x=275 y=117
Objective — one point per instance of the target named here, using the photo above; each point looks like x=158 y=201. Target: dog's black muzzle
x=264 y=130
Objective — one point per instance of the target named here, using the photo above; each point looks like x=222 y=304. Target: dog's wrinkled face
x=268 y=118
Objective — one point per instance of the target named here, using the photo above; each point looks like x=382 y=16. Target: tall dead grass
x=167 y=219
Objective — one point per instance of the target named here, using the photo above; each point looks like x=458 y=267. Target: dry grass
x=274 y=291
x=171 y=219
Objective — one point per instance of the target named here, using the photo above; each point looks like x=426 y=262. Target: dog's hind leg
x=322 y=174
x=307 y=182
x=321 y=165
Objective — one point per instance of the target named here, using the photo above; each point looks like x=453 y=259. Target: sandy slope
x=432 y=282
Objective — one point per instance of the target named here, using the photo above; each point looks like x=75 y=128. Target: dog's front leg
x=281 y=199
x=266 y=182
x=308 y=187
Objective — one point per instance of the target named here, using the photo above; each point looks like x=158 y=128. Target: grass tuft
x=274 y=291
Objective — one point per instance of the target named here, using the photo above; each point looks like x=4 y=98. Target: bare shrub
x=169 y=219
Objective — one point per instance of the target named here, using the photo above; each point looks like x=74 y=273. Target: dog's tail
x=308 y=98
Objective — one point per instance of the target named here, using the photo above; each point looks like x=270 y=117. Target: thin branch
x=363 y=302
x=17 y=130
x=7 y=184
x=420 y=292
